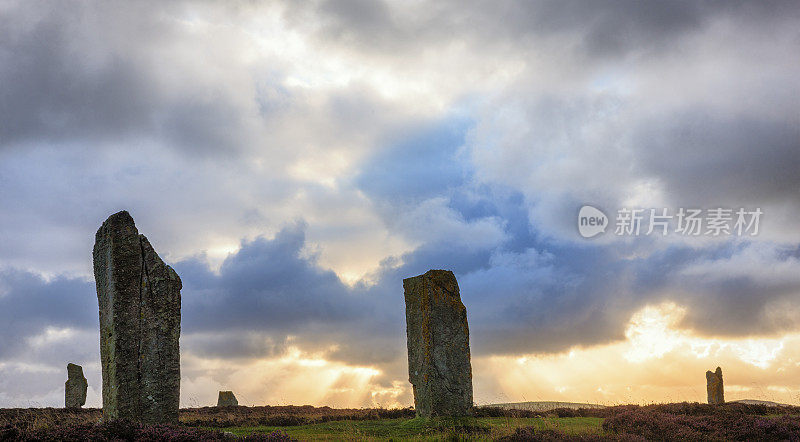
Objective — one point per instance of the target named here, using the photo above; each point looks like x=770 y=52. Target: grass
x=487 y=428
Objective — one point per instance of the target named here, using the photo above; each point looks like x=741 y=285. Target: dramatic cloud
x=295 y=161
x=266 y=285
x=30 y=305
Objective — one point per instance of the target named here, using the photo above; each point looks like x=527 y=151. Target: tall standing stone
x=140 y=325
x=716 y=392
x=75 y=387
x=439 y=365
x=227 y=399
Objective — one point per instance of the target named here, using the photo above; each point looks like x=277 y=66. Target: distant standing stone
x=439 y=365
x=716 y=393
x=227 y=399
x=140 y=325
x=75 y=387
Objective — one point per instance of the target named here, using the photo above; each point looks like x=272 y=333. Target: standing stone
x=227 y=399
x=439 y=366
x=140 y=325
x=75 y=387
x=716 y=393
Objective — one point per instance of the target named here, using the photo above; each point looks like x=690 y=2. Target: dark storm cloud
x=96 y=73
x=269 y=295
x=30 y=304
x=607 y=29
x=266 y=285
x=234 y=345
x=751 y=289
x=706 y=157
x=56 y=93
x=600 y=30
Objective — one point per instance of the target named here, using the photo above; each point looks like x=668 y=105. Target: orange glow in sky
x=656 y=362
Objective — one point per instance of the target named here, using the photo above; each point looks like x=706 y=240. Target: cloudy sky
x=293 y=161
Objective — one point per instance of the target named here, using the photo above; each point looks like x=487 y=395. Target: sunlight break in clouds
x=294 y=161
x=657 y=362
x=293 y=378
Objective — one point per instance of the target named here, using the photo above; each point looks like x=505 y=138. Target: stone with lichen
x=75 y=387
x=716 y=393
x=439 y=367
x=140 y=319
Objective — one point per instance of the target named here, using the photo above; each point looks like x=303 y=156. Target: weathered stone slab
x=75 y=387
x=227 y=399
x=716 y=391
x=140 y=307
x=439 y=365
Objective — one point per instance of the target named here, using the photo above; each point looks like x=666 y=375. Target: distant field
x=543 y=405
x=757 y=402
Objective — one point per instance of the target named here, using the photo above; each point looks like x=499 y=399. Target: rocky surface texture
x=716 y=393
x=227 y=399
x=439 y=365
x=75 y=387
x=140 y=322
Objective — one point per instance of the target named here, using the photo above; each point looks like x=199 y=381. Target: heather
x=216 y=417
x=722 y=425
x=282 y=416
x=127 y=431
x=523 y=434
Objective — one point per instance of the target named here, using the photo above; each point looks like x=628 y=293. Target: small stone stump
x=140 y=325
x=75 y=387
x=227 y=399
x=716 y=392
x=439 y=365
